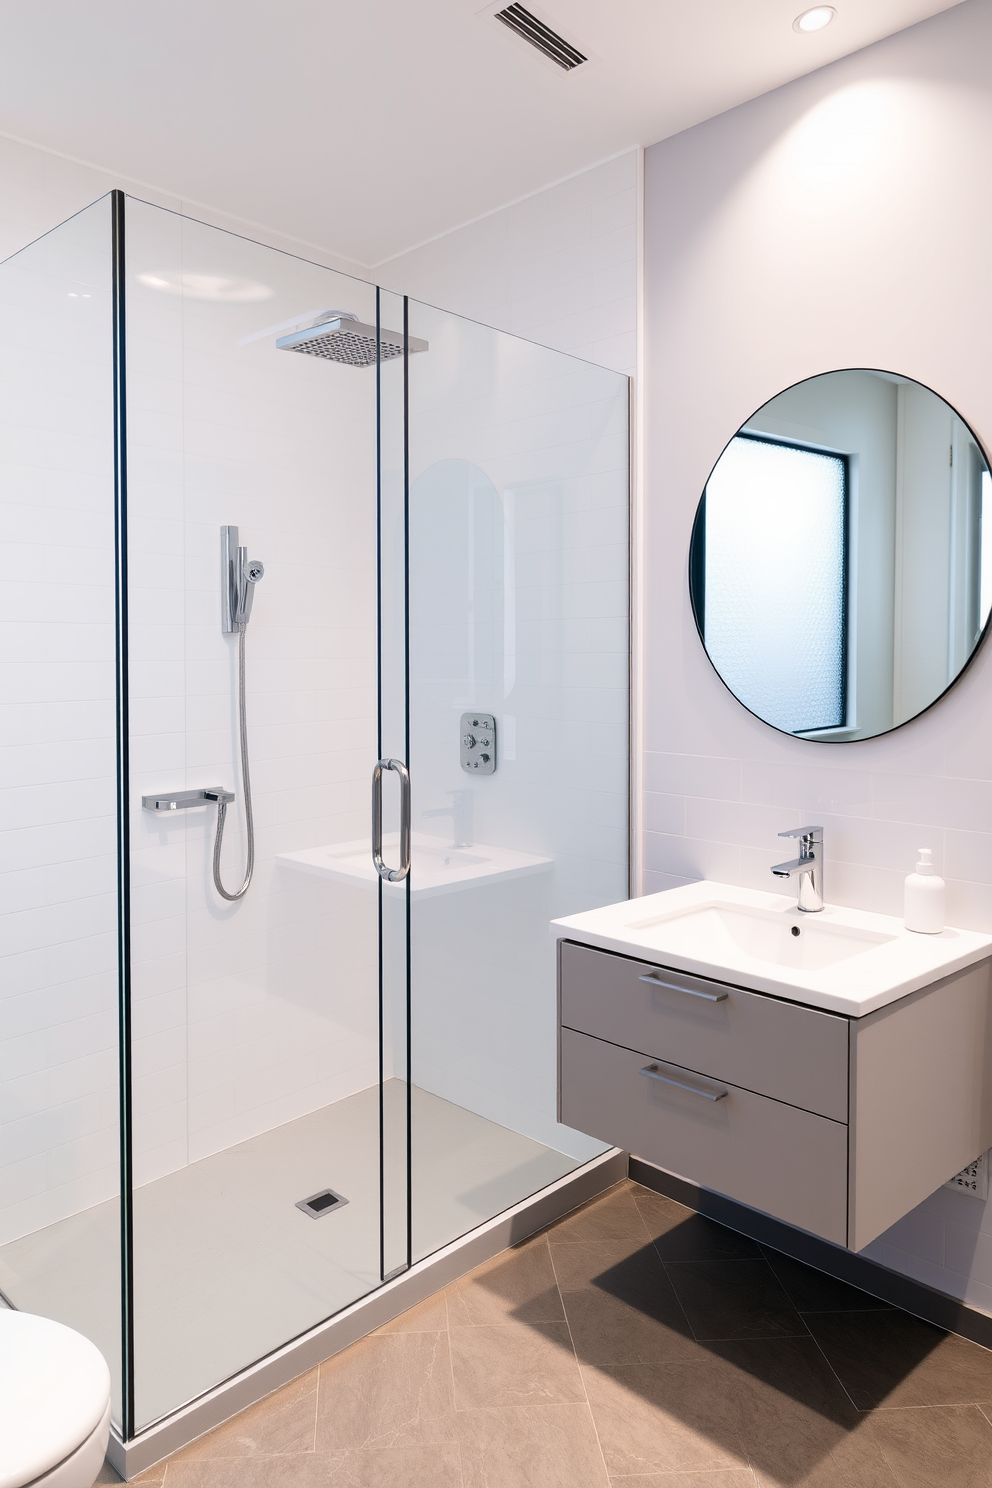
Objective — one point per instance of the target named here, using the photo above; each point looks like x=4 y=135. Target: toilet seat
x=54 y=1403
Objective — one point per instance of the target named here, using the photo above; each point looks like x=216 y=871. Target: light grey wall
x=840 y=221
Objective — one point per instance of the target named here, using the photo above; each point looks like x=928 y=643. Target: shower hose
x=246 y=786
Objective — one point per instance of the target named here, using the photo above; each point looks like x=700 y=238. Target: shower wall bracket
x=183 y=800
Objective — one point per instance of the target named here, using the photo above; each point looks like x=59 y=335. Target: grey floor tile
x=620 y=1310
x=389 y=1390
x=682 y=1235
x=798 y=1425
x=426 y=1466
x=734 y=1299
x=734 y=1477
x=513 y=1363
x=544 y=1446
x=430 y=1316
x=678 y=1418
x=813 y=1291
x=613 y=1218
x=890 y=1358
x=945 y=1445
x=518 y=1284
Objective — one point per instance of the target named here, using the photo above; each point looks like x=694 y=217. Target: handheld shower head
x=239 y=575
x=339 y=336
x=250 y=573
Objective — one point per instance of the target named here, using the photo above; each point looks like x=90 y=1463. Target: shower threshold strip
x=364 y=1316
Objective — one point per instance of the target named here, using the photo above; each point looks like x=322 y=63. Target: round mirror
x=838 y=573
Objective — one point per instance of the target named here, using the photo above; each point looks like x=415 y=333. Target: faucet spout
x=807 y=868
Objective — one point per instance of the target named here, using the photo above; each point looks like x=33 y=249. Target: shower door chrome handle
x=391 y=875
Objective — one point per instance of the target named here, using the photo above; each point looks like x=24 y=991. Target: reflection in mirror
x=837 y=570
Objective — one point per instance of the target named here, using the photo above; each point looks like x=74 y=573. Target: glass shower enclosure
x=400 y=540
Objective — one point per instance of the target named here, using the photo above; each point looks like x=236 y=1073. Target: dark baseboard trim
x=901 y=1291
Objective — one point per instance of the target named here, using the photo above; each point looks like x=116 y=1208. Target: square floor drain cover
x=322 y=1203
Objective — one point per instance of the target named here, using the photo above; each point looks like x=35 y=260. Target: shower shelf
x=437 y=868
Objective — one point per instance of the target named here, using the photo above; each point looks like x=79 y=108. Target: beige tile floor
x=631 y=1345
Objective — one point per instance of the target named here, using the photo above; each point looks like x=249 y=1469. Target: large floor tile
x=813 y=1291
x=681 y=1234
x=614 y=1218
x=664 y=1420
x=518 y=1284
x=798 y=1425
x=513 y=1363
x=390 y=1390
x=890 y=1358
x=734 y=1299
x=436 y=1466
x=620 y=1310
x=544 y=1446
x=283 y=1422
x=945 y=1445
x=734 y=1477
x=430 y=1316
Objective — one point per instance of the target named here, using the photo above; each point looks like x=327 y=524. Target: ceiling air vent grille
x=541 y=36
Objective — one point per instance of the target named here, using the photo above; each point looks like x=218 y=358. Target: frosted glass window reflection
x=985 y=549
x=774 y=588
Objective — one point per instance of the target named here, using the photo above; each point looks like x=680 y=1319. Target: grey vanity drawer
x=784 y=1161
x=776 y=1048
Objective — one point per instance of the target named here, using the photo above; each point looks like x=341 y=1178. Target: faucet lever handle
x=815 y=832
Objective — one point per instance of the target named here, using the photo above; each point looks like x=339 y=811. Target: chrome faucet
x=808 y=867
x=460 y=812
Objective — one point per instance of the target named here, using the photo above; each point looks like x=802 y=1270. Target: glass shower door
x=518 y=521
x=258 y=1061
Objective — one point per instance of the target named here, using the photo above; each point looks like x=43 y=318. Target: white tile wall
x=809 y=230
x=559 y=267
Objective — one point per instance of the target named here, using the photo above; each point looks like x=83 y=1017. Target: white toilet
x=54 y=1404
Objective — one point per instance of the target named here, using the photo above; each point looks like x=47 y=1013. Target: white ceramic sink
x=436 y=868
x=843 y=960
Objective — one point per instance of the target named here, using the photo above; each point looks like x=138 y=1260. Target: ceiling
x=366 y=128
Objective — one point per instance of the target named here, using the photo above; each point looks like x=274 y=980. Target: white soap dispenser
x=923 y=906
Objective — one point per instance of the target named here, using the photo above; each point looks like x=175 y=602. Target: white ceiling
x=368 y=126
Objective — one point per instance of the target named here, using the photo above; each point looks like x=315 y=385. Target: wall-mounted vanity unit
x=830 y=1070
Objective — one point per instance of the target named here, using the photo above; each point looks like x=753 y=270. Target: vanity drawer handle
x=713 y=1092
x=655 y=981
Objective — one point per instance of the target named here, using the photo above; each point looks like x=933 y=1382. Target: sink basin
x=436 y=868
x=842 y=960
x=726 y=930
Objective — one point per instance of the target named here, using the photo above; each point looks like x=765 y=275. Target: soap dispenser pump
x=923 y=906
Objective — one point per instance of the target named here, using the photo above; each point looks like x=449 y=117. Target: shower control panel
x=478 y=743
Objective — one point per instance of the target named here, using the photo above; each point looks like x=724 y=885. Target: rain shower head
x=339 y=336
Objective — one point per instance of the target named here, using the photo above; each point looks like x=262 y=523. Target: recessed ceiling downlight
x=815 y=19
